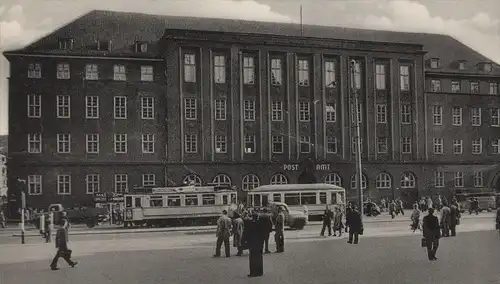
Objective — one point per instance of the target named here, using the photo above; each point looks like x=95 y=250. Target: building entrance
x=307 y=178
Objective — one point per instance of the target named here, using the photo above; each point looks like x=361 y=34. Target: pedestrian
x=279 y=234
x=429 y=202
x=347 y=211
x=223 y=234
x=327 y=221
x=401 y=207
x=431 y=234
x=445 y=220
x=353 y=220
x=415 y=218
x=238 y=233
x=392 y=209
x=2 y=218
x=497 y=226
x=337 y=222
x=62 y=249
x=267 y=227
x=454 y=218
x=256 y=245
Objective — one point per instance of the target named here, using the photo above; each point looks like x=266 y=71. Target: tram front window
x=156 y=201
x=191 y=200
x=322 y=197
x=308 y=198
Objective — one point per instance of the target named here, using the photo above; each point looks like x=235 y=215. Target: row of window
x=458 y=147
x=457 y=113
x=63 y=72
x=456 y=87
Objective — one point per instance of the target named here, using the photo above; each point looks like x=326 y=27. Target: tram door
x=265 y=200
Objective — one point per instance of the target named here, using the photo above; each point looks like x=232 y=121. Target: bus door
x=265 y=199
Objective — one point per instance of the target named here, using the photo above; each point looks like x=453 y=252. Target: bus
x=486 y=200
x=298 y=196
x=173 y=206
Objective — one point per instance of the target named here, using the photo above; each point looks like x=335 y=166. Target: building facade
x=156 y=104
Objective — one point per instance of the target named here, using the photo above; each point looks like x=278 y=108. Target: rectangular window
x=277 y=111
x=148 y=180
x=329 y=74
x=406 y=114
x=455 y=86
x=191 y=143
x=121 y=143
x=35 y=185
x=493 y=89
x=63 y=106
x=63 y=72
x=148 y=143
x=34 y=143
x=219 y=69
x=119 y=73
x=438 y=146
x=456 y=114
x=189 y=67
x=276 y=73
x=477 y=146
x=331 y=113
x=121 y=183
x=190 y=109
x=147 y=73
x=459 y=179
x=474 y=87
x=404 y=73
x=248 y=70
x=495 y=146
x=303 y=71
x=478 y=179
x=331 y=145
x=63 y=143
x=250 y=144
x=380 y=77
x=91 y=107
x=357 y=112
x=92 y=182
x=434 y=63
x=354 y=145
x=439 y=179
x=406 y=145
x=220 y=144
x=249 y=110
x=357 y=75
x=91 y=72
x=458 y=147
x=495 y=117
x=476 y=116
x=34 y=71
x=437 y=115
x=34 y=106
x=381 y=113
x=435 y=85
x=277 y=144
x=63 y=184
x=120 y=107
x=305 y=144
x=304 y=111
x=382 y=145
x=220 y=109
x=92 y=143
x=147 y=107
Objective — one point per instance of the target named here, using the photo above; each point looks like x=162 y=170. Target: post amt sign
x=291 y=167
x=318 y=167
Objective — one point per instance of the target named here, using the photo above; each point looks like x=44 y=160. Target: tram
x=299 y=196
x=174 y=206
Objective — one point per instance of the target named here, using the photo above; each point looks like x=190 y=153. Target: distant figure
x=429 y=202
x=392 y=209
x=267 y=227
x=223 y=234
x=337 y=222
x=353 y=220
x=62 y=249
x=454 y=218
x=2 y=219
x=415 y=218
x=327 y=221
x=238 y=234
x=431 y=233
x=445 y=220
x=279 y=235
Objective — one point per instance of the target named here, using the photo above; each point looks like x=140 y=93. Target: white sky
x=474 y=22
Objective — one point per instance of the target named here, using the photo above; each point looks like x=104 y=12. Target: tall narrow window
x=120 y=107
x=438 y=179
x=303 y=70
x=189 y=67
x=329 y=74
x=330 y=112
x=249 y=144
x=147 y=107
x=148 y=180
x=220 y=109
x=63 y=143
x=121 y=143
x=277 y=111
x=63 y=106
x=495 y=146
x=220 y=144
x=120 y=73
x=493 y=88
x=437 y=115
x=34 y=71
x=476 y=116
x=35 y=185
x=381 y=113
x=147 y=73
x=357 y=75
x=219 y=69
x=456 y=113
x=406 y=145
x=34 y=106
x=148 y=143
x=495 y=117
x=305 y=144
x=458 y=147
x=276 y=71
x=459 y=179
x=404 y=73
x=381 y=145
x=91 y=72
x=92 y=183
x=358 y=112
x=304 y=111
x=438 y=146
x=380 y=77
x=478 y=179
x=248 y=70
x=92 y=143
x=477 y=146
x=455 y=86
x=63 y=72
x=34 y=143
x=191 y=143
x=121 y=183
x=406 y=114
x=249 y=110
x=91 y=107
x=435 y=85
x=474 y=88
x=64 y=184
x=277 y=144
x=190 y=109
x=331 y=145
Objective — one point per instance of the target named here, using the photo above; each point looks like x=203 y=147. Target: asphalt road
x=468 y=258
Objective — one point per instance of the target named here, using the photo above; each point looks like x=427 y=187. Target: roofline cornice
x=461 y=75
x=69 y=56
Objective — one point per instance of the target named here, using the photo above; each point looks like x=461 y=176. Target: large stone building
x=116 y=100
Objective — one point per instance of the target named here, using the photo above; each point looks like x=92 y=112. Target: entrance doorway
x=307 y=178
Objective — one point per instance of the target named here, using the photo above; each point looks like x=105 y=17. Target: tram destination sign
x=317 y=167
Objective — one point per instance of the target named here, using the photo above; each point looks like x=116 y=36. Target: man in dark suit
x=432 y=233
x=62 y=249
x=353 y=220
x=327 y=221
x=267 y=227
x=256 y=235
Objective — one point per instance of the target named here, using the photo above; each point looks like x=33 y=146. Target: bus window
x=308 y=198
x=334 y=198
x=208 y=199
x=292 y=199
x=283 y=208
x=265 y=200
x=322 y=197
x=138 y=202
x=174 y=201
x=128 y=201
x=156 y=201
x=191 y=200
x=256 y=200
x=277 y=197
x=225 y=199
x=233 y=198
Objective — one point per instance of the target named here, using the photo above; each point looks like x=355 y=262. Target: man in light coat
x=445 y=220
x=279 y=235
x=238 y=234
x=223 y=233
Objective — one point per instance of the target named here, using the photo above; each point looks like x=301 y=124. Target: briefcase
x=423 y=243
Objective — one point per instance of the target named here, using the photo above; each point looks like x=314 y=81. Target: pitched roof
x=124 y=29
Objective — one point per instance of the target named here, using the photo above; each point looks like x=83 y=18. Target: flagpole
x=357 y=137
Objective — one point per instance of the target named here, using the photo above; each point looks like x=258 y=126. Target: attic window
x=66 y=43
x=141 y=46
x=487 y=67
x=435 y=63
x=461 y=65
x=104 y=45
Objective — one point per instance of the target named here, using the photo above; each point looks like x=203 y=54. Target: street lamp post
x=357 y=135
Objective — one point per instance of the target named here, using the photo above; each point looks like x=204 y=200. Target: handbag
x=423 y=242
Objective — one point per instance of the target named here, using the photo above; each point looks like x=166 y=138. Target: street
x=468 y=258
